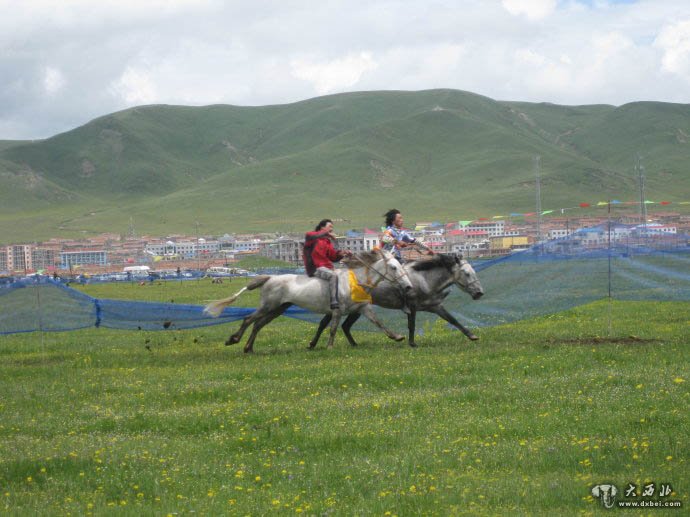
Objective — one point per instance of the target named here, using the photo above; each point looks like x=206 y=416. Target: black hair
x=322 y=224
x=390 y=216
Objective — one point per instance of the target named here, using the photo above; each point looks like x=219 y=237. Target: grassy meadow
x=523 y=421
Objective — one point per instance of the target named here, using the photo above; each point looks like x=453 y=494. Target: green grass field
x=524 y=421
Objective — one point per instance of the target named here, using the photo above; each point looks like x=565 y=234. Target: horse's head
x=381 y=265
x=465 y=277
x=393 y=270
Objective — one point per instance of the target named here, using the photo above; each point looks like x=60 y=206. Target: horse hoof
x=473 y=337
x=413 y=344
x=232 y=340
x=397 y=337
x=248 y=350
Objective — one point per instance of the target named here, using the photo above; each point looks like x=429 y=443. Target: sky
x=65 y=63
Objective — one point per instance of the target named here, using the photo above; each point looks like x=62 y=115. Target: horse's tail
x=258 y=282
x=216 y=307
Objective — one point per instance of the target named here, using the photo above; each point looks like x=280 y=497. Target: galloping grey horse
x=431 y=280
x=281 y=291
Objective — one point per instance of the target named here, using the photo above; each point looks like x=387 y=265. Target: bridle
x=466 y=287
x=381 y=276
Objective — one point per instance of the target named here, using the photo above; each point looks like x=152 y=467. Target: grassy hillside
x=439 y=154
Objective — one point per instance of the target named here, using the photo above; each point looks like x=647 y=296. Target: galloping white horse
x=281 y=291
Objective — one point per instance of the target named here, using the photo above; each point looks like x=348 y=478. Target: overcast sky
x=63 y=63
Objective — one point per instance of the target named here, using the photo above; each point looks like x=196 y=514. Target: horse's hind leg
x=246 y=322
x=261 y=323
x=322 y=326
x=334 y=327
x=347 y=325
x=237 y=336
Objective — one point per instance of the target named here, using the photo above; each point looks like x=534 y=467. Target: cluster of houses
x=478 y=238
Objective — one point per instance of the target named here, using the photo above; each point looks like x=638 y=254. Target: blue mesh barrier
x=43 y=304
x=544 y=279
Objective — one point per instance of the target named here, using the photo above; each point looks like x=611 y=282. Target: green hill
x=439 y=154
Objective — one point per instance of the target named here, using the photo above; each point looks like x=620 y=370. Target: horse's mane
x=438 y=260
x=362 y=259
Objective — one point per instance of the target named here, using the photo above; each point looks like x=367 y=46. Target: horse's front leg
x=322 y=325
x=369 y=314
x=441 y=311
x=347 y=325
x=411 y=323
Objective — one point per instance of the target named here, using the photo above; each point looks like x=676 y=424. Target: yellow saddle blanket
x=357 y=292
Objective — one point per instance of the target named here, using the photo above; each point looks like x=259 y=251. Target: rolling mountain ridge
x=437 y=154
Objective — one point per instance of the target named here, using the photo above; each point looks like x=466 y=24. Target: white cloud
x=531 y=9
x=135 y=87
x=335 y=75
x=529 y=57
x=53 y=80
x=64 y=63
x=444 y=57
x=674 y=42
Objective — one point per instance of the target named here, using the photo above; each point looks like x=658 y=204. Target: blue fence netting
x=544 y=279
x=44 y=304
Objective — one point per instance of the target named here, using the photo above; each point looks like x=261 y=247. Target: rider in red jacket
x=319 y=255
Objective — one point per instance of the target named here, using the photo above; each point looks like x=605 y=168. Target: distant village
x=114 y=253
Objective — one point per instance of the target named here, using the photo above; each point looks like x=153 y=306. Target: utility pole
x=608 y=231
x=639 y=168
x=537 y=166
x=567 y=221
x=198 y=256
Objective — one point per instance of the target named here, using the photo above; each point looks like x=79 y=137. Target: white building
x=287 y=250
x=182 y=248
x=657 y=229
x=364 y=242
x=559 y=233
x=83 y=258
x=495 y=228
x=245 y=246
x=599 y=236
